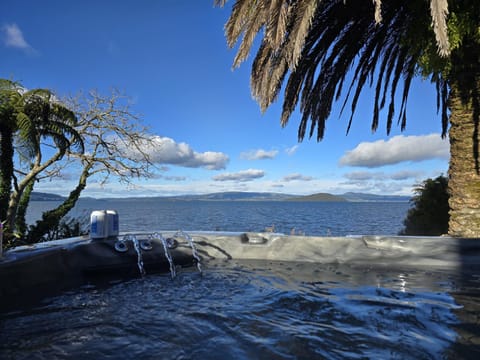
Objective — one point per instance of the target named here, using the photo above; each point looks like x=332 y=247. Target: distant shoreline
x=245 y=196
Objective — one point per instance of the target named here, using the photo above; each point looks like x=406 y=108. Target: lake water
x=257 y=309
x=311 y=218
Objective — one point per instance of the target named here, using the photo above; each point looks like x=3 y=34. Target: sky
x=171 y=58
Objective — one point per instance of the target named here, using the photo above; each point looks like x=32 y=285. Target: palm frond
x=251 y=28
x=302 y=17
x=321 y=47
x=238 y=22
x=439 y=12
x=378 y=11
x=276 y=26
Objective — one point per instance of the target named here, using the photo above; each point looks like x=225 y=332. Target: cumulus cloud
x=13 y=37
x=406 y=174
x=259 y=154
x=164 y=150
x=244 y=175
x=396 y=150
x=170 y=177
x=379 y=182
x=364 y=175
x=359 y=176
x=297 y=176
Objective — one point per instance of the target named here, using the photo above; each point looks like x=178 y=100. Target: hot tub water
x=245 y=309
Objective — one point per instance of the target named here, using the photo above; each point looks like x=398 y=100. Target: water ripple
x=254 y=310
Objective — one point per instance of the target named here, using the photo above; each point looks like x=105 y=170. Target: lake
x=310 y=218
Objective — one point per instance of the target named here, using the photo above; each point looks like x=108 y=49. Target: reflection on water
x=257 y=310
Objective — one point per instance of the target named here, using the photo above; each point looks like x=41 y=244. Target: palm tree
x=32 y=116
x=9 y=97
x=328 y=50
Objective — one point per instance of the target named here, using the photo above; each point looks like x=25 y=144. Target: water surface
x=311 y=218
x=256 y=310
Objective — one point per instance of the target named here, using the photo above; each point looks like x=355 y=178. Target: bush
x=429 y=215
x=67 y=227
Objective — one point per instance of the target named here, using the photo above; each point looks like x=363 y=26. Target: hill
x=318 y=197
x=233 y=196
x=362 y=197
x=40 y=196
x=220 y=196
x=246 y=196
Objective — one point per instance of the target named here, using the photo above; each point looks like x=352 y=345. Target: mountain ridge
x=248 y=196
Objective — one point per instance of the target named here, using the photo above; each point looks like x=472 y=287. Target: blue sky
x=171 y=58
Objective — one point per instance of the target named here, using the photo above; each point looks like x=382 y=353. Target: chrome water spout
x=121 y=246
x=146 y=244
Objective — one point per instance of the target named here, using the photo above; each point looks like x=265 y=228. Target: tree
x=9 y=94
x=115 y=146
x=331 y=49
x=43 y=138
x=30 y=117
x=429 y=214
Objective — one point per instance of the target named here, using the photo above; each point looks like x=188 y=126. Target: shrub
x=429 y=214
x=67 y=227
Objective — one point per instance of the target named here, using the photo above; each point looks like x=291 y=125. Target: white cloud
x=170 y=177
x=406 y=174
x=359 y=176
x=291 y=150
x=396 y=150
x=164 y=150
x=364 y=175
x=13 y=37
x=244 y=175
x=259 y=154
x=296 y=176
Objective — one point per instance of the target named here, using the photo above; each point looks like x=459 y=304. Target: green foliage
x=52 y=220
x=429 y=214
x=91 y=131
x=67 y=227
x=321 y=52
x=9 y=94
x=27 y=119
x=20 y=223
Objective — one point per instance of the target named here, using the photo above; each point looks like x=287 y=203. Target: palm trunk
x=464 y=169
